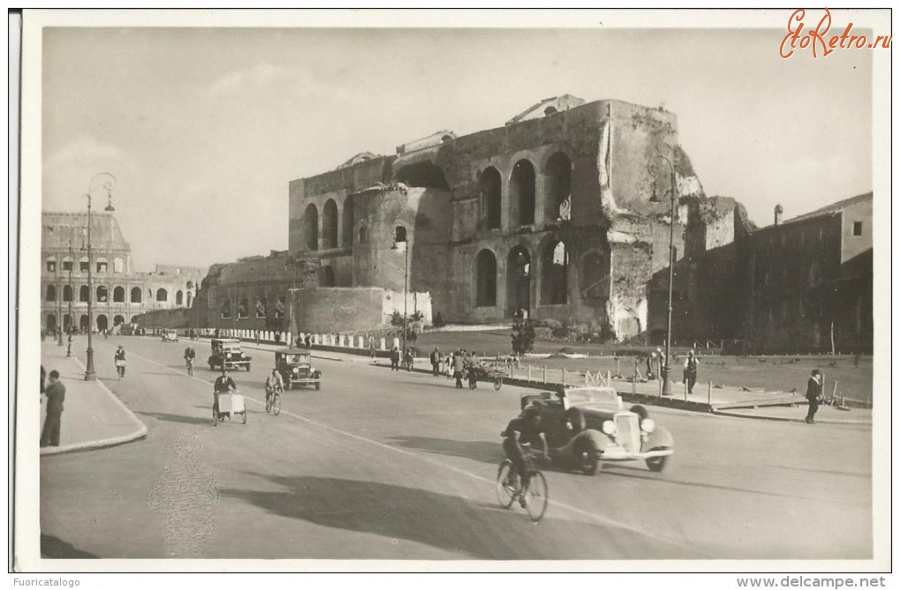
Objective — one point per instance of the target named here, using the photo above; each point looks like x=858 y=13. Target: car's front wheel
x=657 y=464
x=586 y=457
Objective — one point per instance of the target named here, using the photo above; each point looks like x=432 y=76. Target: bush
x=438 y=320
x=522 y=336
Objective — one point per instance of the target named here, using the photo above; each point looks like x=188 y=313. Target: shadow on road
x=53 y=548
x=465 y=527
x=176 y=418
x=479 y=450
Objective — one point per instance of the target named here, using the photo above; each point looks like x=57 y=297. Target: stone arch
x=102 y=294
x=347 y=223
x=329 y=225
x=83 y=322
x=424 y=174
x=136 y=295
x=83 y=264
x=68 y=265
x=558 y=187
x=485 y=279
x=594 y=278
x=118 y=320
x=102 y=322
x=521 y=193
x=84 y=293
x=162 y=295
x=518 y=281
x=311 y=227
x=179 y=297
x=189 y=285
x=51 y=292
x=102 y=264
x=51 y=322
x=67 y=293
x=489 y=186
x=400 y=234
x=51 y=264
x=119 y=295
x=554 y=273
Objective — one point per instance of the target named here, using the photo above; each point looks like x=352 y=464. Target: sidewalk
x=825 y=414
x=93 y=417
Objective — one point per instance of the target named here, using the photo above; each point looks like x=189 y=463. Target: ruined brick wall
x=321 y=310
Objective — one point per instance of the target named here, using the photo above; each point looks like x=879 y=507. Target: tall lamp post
x=397 y=241
x=653 y=167
x=71 y=297
x=107 y=182
x=59 y=316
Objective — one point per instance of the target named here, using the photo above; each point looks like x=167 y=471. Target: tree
x=413 y=324
x=522 y=336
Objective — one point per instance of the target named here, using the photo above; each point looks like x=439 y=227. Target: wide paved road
x=382 y=465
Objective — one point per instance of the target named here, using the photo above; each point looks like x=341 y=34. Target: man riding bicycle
x=274 y=383
x=189 y=356
x=521 y=431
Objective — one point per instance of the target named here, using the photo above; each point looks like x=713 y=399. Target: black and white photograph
x=454 y=290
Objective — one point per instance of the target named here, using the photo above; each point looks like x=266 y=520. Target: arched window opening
x=136 y=295
x=347 y=223
x=83 y=323
x=67 y=323
x=550 y=111
x=485 y=279
x=423 y=174
x=559 y=188
x=326 y=277
x=51 y=292
x=518 y=282
x=101 y=265
x=83 y=264
x=594 y=286
x=162 y=294
x=226 y=309
x=51 y=322
x=67 y=293
x=102 y=322
x=51 y=264
x=68 y=264
x=244 y=309
x=330 y=225
x=280 y=307
x=489 y=186
x=554 y=274
x=119 y=295
x=363 y=235
x=311 y=227
x=521 y=193
x=190 y=284
x=400 y=234
x=84 y=293
x=261 y=307
x=102 y=294
x=118 y=320
x=190 y=298
x=179 y=297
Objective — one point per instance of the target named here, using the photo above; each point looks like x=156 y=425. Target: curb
x=786 y=419
x=102 y=443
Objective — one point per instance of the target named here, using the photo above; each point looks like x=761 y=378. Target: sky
x=204 y=128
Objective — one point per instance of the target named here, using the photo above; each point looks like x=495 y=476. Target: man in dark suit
x=56 y=395
x=224 y=383
x=813 y=395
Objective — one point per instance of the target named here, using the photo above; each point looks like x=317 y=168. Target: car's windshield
x=293 y=359
x=592 y=396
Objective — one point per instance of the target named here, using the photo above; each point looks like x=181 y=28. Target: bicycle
x=533 y=495
x=273 y=400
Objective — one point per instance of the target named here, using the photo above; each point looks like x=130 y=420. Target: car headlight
x=609 y=428
x=647 y=425
x=296 y=370
x=312 y=369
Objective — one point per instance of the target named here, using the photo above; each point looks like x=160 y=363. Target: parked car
x=169 y=336
x=589 y=425
x=226 y=354
x=295 y=366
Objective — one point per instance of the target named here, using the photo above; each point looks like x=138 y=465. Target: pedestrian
x=651 y=361
x=308 y=341
x=395 y=358
x=814 y=395
x=690 y=371
x=56 y=395
x=436 y=361
x=120 y=361
x=660 y=364
x=372 y=346
x=459 y=365
x=277 y=338
x=43 y=378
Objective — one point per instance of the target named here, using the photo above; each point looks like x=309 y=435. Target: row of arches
x=68 y=264
x=118 y=295
x=101 y=322
x=329 y=226
x=553 y=283
x=522 y=189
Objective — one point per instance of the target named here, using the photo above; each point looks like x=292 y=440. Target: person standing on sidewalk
x=813 y=395
x=56 y=395
x=120 y=361
x=436 y=361
x=395 y=359
x=459 y=365
x=690 y=371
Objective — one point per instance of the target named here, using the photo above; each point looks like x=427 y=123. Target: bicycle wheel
x=505 y=494
x=276 y=404
x=536 y=497
x=268 y=403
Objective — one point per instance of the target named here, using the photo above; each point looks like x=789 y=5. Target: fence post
x=564 y=376
x=608 y=380
x=529 y=372
x=618 y=373
x=709 y=393
x=544 y=373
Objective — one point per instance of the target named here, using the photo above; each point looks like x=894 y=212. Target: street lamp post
x=108 y=182
x=71 y=297
x=652 y=168
x=396 y=246
x=59 y=316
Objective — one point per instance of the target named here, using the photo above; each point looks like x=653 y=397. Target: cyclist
x=524 y=430
x=273 y=383
x=189 y=356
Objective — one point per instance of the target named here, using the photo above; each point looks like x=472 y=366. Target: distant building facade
x=118 y=293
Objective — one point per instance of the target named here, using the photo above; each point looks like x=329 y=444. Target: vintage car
x=295 y=366
x=226 y=354
x=169 y=336
x=588 y=425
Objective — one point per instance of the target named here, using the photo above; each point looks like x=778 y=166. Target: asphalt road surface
x=382 y=465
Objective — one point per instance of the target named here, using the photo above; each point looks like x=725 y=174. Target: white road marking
x=598 y=518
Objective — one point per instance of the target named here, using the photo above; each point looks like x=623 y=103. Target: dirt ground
x=781 y=373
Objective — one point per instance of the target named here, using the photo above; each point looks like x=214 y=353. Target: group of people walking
x=455 y=365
